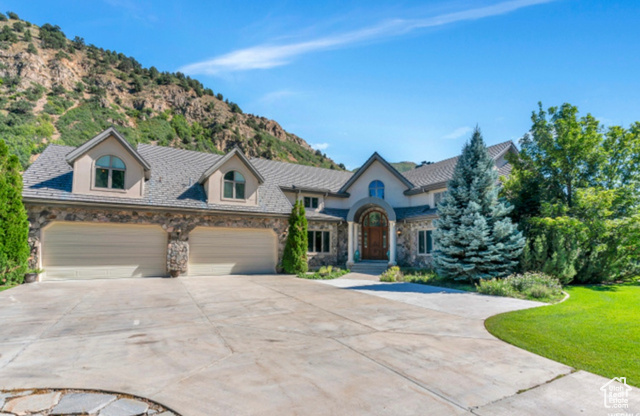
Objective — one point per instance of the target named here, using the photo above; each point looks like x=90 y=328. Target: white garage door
x=219 y=251
x=100 y=251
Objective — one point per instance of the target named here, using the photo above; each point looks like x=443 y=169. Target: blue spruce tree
x=474 y=235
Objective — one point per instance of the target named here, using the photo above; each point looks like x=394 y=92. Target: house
x=108 y=210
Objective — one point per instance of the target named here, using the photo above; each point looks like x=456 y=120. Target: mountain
x=404 y=166
x=56 y=90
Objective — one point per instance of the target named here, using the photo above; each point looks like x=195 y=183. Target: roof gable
x=235 y=152
x=101 y=137
x=375 y=158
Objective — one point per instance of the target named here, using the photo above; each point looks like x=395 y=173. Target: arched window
x=376 y=189
x=234 y=185
x=110 y=172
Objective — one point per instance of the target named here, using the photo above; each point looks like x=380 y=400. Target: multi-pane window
x=234 y=184
x=425 y=241
x=110 y=172
x=376 y=189
x=310 y=202
x=438 y=197
x=319 y=241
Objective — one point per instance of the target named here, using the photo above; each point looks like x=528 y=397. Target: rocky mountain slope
x=56 y=90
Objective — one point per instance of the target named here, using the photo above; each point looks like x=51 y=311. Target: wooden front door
x=375 y=236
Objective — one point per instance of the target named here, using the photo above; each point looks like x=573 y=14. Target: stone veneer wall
x=178 y=226
x=338 y=254
x=407 y=244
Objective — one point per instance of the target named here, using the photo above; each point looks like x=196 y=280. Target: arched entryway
x=372 y=231
x=375 y=235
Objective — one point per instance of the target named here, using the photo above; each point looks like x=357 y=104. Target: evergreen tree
x=474 y=235
x=14 y=225
x=294 y=258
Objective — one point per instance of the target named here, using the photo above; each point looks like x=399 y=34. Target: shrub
x=13 y=15
x=495 y=287
x=32 y=49
x=52 y=36
x=529 y=285
x=294 y=258
x=325 y=273
x=392 y=274
x=14 y=226
x=3 y=18
x=18 y=27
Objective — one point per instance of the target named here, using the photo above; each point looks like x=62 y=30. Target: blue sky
x=407 y=79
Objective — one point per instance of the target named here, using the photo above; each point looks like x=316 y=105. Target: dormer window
x=110 y=172
x=376 y=189
x=234 y=184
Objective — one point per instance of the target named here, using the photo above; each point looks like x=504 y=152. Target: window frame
x=375 y=187
x=311 y=200
x=325 y=241
x=441 y=195
x=234 y=186
x=428 y=235
x=110 y=169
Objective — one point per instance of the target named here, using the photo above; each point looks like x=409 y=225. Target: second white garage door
x=220 y=251
x=75 y=250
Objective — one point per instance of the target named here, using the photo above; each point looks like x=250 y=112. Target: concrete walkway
x=245 y=345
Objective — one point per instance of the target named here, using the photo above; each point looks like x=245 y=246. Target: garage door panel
x=92 y=251
x=220 y=251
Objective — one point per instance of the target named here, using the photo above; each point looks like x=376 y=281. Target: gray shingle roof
x=175 y=173
x=440 y=172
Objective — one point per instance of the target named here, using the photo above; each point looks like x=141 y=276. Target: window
x=438 y=197
x=234 y=185
x=310 y=202
x=376 y=189
x=319 y=241
x=110 y=172
x=425 y=241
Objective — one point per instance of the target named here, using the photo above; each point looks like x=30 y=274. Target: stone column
x=350 y=245
x=392 y=243
x=177 y=253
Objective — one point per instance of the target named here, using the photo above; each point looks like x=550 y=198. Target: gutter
x=37 y=201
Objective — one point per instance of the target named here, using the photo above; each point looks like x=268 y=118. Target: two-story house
x=108 y=210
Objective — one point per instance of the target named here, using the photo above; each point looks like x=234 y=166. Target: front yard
x=596 y=329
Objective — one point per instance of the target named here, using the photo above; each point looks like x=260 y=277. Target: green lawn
x=597 y=329
x=6 y=287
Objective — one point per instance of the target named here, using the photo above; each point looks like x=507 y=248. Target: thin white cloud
x=320 y=146
x=457 y=133
x=269 y=56
x=275 y=96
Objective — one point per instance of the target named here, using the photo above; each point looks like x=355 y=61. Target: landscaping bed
x=325 y=273
x=596 y=330
x=529 y=286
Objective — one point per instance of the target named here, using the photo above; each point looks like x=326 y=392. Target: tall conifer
x=14 y=226
x=294 y=258
x=474 y=237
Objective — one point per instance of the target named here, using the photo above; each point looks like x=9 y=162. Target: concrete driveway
x=277 y=345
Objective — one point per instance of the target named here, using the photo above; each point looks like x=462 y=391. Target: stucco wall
x=214 y=185
x=84 y=171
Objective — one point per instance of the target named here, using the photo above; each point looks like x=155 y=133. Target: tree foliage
x=14 y=226
x=475 y=238
x=575 y=191
x=294 y=258
x=52 y=36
